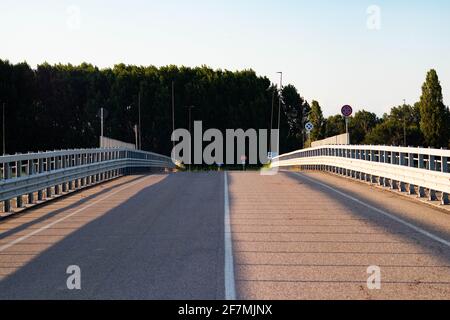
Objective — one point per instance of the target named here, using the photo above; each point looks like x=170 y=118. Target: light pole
x=279 y=110
x=173 y=110
x=3 y=129
x=273 y=88
x=190 y=135
x=139 y=120
x=404 y=123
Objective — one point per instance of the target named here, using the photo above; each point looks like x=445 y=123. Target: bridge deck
x=294 y=236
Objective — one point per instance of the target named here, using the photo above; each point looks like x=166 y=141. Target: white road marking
x=230 y=290
x=25 y=237
x=384 y=213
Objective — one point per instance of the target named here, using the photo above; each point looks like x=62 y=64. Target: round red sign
x=347 y=111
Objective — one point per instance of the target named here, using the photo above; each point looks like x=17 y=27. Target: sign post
x=347 y=112
x=309 y=127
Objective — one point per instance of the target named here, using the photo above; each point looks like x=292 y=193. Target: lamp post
x=139 y=118
x=273 y=88
x=3 y=129
x=190 y=135
x=279 y=110
x=404 y=123
x=173 y=110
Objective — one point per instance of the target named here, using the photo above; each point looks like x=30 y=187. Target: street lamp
x=190 y=135
x=273 y=88
x=404 y=123
x=279 y=109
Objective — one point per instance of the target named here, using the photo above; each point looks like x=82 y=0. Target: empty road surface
x=227 y=235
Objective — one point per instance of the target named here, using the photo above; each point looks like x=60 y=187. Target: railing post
x=48 y=167
x=57 y=167
x=30 y=172
x=64 y=166
x=7 y=175
x=40 y=170
x=19 y=198
x=444 y=164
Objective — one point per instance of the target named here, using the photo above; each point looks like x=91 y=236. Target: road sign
x=309 y=127
x=347 y=111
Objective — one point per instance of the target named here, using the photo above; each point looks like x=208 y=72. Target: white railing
x=420 y=171
x=31 y=178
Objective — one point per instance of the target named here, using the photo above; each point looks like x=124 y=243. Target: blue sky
x=324 y=48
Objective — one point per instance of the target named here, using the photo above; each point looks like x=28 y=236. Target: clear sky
x=332 y=51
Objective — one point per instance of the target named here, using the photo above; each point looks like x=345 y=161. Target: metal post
x=30 y=172
x=3 y=129
x=271 y=120
x=101 y=122
x=173 y=110
x=279 y=111
x=139 y=108
x=18 y=175
x=7 y=175
x=40 y=170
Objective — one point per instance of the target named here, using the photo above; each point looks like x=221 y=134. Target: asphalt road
x=161 y=238
x=293 y=236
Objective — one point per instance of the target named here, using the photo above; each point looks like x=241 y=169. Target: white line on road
x=384 y=213
x=25 y=237
x=230 y=290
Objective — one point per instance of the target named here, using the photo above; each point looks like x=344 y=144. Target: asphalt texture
x=294 y=236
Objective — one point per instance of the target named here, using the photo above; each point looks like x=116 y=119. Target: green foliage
x=391 y=130
x=316 y=118
x=56 y=106
x=296 y=110
x=434 y=115
x=334 y=125
x=361 y=125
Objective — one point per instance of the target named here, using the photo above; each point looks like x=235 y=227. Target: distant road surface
x=292 y=236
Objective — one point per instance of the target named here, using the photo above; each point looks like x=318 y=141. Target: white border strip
x=384 y=213
x=230 y=289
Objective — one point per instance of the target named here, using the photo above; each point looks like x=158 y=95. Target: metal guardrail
x=31 y=178
x=420 y=171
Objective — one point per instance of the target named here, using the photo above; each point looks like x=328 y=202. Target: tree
x=433 y=113
x=334 y=125
x=316 y=118
x=296 y=109
x=392 y=128
x=361 y=125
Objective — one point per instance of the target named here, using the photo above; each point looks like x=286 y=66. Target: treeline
x=57 y=106
x=426 y=123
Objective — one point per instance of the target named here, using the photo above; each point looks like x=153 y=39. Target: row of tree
x=426 y=123
x=57 y=106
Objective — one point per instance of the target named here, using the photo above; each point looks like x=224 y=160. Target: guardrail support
x=420 y=192
x=432 y=195
x=30 y=171
x=445 y=199
x=40 y=170
x=19 y=199
x=7 y=175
